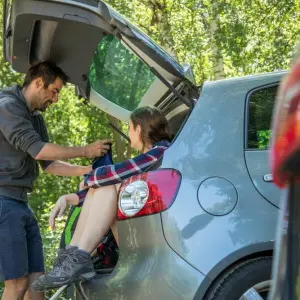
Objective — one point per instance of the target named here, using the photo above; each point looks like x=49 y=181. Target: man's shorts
x=21 y=248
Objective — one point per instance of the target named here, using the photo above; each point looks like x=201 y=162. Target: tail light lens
x=148 y=193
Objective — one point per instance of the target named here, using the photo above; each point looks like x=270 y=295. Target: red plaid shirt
x=116 y=173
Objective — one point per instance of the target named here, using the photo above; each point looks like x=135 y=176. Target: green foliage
x=119 y=75
x=264 y=138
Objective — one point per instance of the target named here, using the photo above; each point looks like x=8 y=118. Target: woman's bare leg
x=102 y=214
x=114 y=226
x=114 y=229
x=82 y=218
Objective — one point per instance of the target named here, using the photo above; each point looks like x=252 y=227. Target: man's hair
x=48 y=71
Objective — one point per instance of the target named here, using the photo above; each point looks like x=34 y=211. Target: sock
x=83 y=252
x=69 y=247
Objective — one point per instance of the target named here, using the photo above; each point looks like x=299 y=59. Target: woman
x=148 y=133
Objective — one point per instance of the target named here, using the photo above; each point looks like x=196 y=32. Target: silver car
x=202 y=225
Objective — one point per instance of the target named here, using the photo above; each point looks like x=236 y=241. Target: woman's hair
x=154 y=125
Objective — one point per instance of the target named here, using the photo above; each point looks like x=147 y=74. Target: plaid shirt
x=116 y=173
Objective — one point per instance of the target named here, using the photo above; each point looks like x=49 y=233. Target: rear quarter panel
x=211 y=144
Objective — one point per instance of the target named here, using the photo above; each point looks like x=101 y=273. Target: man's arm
x=53 y=152
x=19 y=132
x=61 y=168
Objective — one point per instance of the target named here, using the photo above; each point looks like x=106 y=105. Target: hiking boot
x=76 y=266
x=61 y=254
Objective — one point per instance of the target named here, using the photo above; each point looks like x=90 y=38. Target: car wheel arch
x=219 y=270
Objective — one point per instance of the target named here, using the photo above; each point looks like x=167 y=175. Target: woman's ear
x=138 y=129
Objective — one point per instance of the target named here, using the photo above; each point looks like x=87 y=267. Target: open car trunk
x=112 y=63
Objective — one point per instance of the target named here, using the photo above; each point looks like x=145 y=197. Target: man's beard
x=46 y=105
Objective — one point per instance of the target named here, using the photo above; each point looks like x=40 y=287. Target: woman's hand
x=82 y=186
x=61 y=205
x=58 y=210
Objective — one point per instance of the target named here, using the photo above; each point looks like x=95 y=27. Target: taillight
x=148 y=193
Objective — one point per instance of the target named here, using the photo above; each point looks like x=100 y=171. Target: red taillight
x=148 y=193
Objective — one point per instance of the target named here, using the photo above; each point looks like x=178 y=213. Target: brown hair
x=154 y=125
x=48 y=71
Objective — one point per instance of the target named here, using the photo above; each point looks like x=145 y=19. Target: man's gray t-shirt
x=22 y=136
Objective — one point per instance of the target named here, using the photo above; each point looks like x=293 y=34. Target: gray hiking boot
x=61 y=254
x=76 y=266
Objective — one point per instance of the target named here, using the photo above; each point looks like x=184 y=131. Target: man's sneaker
x=77 y=266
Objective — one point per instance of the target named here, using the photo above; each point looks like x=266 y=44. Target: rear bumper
x=147 y=268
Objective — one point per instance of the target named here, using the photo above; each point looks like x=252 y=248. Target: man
x=23 y=142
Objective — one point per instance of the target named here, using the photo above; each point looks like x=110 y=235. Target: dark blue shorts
x=21 y=248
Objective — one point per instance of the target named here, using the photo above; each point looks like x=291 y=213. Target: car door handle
x=268 y=178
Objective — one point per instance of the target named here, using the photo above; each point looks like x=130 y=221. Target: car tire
x=233 y=284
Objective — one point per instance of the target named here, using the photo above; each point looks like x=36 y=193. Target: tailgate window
x=118 y=75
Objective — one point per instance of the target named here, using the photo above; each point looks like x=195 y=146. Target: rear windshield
x=118 y=75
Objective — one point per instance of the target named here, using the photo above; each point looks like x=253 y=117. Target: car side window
x=260 y=110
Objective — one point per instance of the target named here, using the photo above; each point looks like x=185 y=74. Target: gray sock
x=69 y=247
x=83 y=252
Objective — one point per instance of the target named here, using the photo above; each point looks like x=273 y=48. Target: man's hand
x=97 y=149
x=58 y=210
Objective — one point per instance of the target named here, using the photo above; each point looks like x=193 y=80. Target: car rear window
x=260 y=110
x=118 y=75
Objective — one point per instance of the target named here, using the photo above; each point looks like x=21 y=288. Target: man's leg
x=30 y=294
x=15 y=289
x=35 y=256
x=13 y=249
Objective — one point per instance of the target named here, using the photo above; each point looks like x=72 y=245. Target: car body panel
x=147 y=268
x=258 y=164
x=211 y=145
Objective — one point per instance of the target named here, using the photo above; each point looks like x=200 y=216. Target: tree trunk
x=160 y=19
x=122 y=150
x=218 y=64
